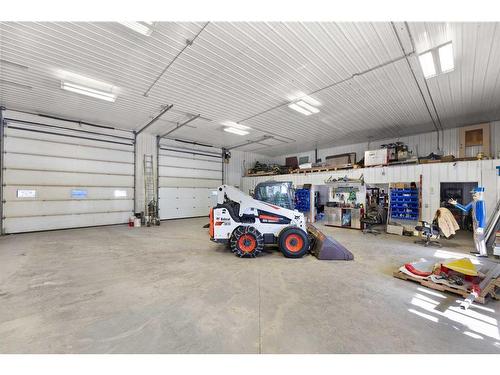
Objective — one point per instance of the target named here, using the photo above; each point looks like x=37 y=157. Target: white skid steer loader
x=247 y=224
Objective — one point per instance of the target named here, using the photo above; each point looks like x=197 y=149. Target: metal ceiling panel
x=470 y=93
x=249 y=72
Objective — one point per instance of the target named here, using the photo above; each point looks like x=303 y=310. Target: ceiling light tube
x=310 y=100
x=299 y=109
x=84 y=90
x=427 y=64
x=140 y=27
x=446 y=58
x=235 y=131
x=306 y=106
x=232 y=124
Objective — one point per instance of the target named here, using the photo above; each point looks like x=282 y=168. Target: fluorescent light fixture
x=427 y=64
x=306 y=106
x=88 y=91
x=233 y=124
x=235 y=131
x=144 y=28
x=438 y=60
x=303 y=107
x=299 y=109
x=446 y=58
x=310 y=100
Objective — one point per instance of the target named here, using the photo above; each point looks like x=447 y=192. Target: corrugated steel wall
x=495 y=138
x=421 y=144
x=241 y=161
x=482 y=172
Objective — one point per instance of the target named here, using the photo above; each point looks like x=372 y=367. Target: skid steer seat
x=427 y=231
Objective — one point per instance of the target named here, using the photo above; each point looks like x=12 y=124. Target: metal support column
x=135 y=171
x=223 y=164
x=158 y=138
x=2 y=171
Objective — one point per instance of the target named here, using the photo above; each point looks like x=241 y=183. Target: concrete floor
x=170 y=290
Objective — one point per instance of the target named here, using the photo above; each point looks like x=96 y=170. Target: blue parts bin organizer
x=302 y=200
x=404 y=204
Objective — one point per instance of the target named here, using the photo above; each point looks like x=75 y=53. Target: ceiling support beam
x=425 y=81
x=180 y=126
x=249 y=142
x=416 y=80
x=163 y=111
x=357 y=74
x=188 y=44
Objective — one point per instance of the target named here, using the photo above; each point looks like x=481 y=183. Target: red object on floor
x=415 y=271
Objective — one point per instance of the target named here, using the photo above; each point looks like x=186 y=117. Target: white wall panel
x=482 y=172
x=240 y=162
x=495 y=138
x=421 y=145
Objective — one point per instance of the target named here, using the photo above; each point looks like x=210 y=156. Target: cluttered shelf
x=396 y=154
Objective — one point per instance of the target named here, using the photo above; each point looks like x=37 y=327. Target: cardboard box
x=377 y=157
x=395 y=229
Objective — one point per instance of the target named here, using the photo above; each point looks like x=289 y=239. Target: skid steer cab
x=247 y=224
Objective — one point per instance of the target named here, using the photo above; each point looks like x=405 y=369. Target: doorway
x=461 y=192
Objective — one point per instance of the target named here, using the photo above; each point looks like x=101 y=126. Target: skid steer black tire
x=293 y=242
x=246 y=242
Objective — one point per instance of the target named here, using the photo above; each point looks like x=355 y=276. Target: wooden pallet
x=323 y=169
x=376 y=166
x=490 y=290
x=258 y=174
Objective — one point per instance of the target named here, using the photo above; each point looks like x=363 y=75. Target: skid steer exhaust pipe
x=326 y=248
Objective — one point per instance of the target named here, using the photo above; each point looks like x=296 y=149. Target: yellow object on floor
x=463 y=265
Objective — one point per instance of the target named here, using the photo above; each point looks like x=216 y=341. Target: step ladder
x=150 y=198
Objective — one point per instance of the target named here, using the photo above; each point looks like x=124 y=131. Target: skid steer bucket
x=326 y=248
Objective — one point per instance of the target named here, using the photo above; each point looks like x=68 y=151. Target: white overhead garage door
x=56 y=179
x=187 y=181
